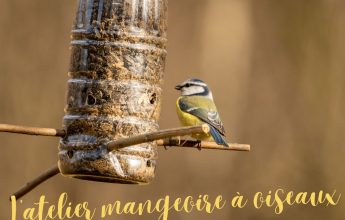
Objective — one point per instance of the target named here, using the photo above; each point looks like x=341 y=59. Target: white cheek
x=210 y=96
x=192 y=90
x=184 y=91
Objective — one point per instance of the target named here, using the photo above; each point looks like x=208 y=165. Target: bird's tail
x=218 y=138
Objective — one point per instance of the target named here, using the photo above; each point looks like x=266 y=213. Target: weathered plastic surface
x=114 y=89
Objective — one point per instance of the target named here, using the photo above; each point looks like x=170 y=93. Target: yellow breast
x=187 y=119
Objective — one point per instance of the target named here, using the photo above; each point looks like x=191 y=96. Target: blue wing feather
x=217 y=137
x=210 y=117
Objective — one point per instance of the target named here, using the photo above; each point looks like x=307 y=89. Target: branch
x=157 y=135
x=176 y=142
x=36 y=181
x=124 y=142
x=163 y=138
x=32 y=130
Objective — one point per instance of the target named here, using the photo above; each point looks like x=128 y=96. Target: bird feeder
x=118 y=52
x=110 y=128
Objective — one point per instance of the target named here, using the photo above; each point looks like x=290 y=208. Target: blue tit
x=195 y=106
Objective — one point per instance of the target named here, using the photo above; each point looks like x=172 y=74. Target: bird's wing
x=204 y=109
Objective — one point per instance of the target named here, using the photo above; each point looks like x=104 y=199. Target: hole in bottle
x=91 y=100
x=153 y=98
x=70 y=154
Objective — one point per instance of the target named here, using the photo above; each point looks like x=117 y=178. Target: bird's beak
x=178 y=87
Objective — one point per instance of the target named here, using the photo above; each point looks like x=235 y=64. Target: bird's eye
x=187 y=85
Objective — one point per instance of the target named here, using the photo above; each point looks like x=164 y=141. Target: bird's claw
x=198 y=144
x=185 y=141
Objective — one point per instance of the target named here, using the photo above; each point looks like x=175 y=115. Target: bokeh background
x=277 y=72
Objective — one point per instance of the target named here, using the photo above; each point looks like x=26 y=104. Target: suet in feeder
x=114 y=89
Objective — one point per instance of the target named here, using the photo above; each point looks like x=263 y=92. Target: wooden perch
x=176 y=142
x=32 y=130
x=36 y=181
x=157 y=135
x=163 y=138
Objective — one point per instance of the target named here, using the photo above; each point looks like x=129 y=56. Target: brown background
x=277 y=72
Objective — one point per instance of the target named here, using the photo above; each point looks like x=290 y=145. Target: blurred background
x=276 y=69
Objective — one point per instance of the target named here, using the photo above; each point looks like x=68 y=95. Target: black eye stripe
x=189 y=84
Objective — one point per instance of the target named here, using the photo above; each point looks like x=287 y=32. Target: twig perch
x=163 y=138
x=32 y=130
x=175 y=142
x=36 y=181
x=157 y=135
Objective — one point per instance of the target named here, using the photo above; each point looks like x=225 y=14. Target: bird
x=195 y=106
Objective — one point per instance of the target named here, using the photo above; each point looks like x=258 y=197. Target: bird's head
x=194 y=87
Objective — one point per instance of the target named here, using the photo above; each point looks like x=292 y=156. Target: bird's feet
x=198 y=144
x=183 y=143
x=171 y=143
